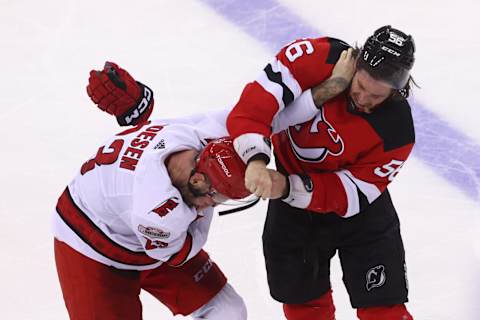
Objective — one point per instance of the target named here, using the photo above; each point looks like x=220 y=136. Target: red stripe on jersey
x=79 y=222
x=181 y=256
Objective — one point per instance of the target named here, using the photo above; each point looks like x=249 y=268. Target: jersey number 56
x=389 y=170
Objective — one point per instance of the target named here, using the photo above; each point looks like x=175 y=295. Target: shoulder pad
x=336 y=48
x=393 y=122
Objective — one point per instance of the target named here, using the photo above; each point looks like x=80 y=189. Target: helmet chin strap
x=240 y=208
x=246 y=205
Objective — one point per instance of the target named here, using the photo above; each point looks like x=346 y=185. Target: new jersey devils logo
x=375 y=277
x=312 y=141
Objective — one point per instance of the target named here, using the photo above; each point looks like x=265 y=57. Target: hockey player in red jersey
x=137 y=214
x=336 y=164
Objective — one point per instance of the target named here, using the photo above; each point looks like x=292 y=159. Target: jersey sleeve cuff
x=252 y=146
x=301 y=191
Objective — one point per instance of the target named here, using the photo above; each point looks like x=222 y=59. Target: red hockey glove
x=116 y=92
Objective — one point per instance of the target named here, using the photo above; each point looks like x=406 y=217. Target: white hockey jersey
x=122 y=210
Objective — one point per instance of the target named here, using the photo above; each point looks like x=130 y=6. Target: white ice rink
x=197 y=55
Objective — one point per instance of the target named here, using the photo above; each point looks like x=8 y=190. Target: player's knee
x=395 y=312
x=321 y=309
x=227 y=304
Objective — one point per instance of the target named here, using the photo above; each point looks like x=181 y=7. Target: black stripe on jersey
x=393 y=122
x=287 y=95
x=336 y=48
x=362 y=198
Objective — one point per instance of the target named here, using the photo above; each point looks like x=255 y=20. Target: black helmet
x=388 y=55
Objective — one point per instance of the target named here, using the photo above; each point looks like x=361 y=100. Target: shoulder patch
x=393 y=122
x=336 y=48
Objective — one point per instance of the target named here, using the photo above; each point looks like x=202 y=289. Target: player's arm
x=298 y=67
x=170 y=233
x=338 y=81
x=116 y=92
x=190 y=242
x=348 y=191
x=307 y=105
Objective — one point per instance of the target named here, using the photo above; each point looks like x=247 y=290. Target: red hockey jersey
x=350 y=156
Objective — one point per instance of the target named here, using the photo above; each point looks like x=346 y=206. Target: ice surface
x=197 y=55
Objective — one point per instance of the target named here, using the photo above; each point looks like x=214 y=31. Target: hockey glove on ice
x=116 y=92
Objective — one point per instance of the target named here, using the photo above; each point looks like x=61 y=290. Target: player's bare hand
x=279 y=184
x=345 y=66
x=257 y=179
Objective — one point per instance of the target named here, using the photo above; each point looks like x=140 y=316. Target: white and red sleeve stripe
x=298 y=67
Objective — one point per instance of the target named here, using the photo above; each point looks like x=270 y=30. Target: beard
x=189 y=191
x=187 y=195
x=194 y=197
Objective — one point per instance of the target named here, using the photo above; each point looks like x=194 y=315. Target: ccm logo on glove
x=116 y=92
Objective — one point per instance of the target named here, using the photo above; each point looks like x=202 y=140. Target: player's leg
x=197 y=288
x=227 y=304
x=373 y=262
x=298 y=272
x=92 y=290
x=318 y=309
x=395 y=312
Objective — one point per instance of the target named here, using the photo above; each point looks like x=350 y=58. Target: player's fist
x=115 y=91
x=257 y=179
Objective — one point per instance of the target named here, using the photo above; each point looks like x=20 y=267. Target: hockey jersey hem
x=79 y=223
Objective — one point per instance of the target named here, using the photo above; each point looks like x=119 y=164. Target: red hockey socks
x=318 y=309
x=396 y=312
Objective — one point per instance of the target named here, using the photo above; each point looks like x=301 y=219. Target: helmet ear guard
x=388 y=55
x=224 y=168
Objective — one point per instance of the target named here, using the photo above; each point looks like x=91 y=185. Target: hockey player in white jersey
x=137 y=214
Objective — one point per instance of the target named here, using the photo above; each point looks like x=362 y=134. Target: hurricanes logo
x=312 y=141
x=166 y=206
x=376 y=277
